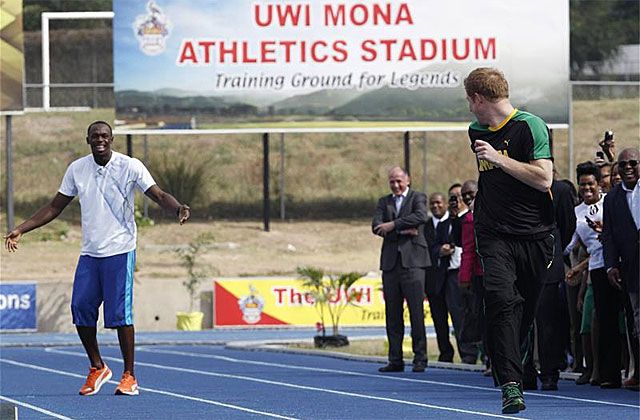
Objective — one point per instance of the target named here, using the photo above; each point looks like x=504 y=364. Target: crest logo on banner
x=152 y=29
x=251 y=306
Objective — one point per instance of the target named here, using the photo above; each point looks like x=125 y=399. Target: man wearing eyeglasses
x=621 y=224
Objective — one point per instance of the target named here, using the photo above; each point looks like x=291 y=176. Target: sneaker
x=512 y=399
x=128 y=385
x=95 y=379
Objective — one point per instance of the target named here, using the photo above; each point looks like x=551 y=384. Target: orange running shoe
x=128 y=385
x=95 y=380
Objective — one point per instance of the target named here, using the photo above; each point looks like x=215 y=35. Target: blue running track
x=184 y=381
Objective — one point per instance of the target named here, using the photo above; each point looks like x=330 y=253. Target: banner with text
x=284 y=301
x=11 y=57
x=18 y=307
x=207 y=64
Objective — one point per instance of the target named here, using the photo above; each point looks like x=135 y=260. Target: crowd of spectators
x=588 y=317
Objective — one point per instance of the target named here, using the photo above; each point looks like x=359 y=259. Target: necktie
x=398 y=199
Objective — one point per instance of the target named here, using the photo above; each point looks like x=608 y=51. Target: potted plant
x=331 y=294
x=189 y=258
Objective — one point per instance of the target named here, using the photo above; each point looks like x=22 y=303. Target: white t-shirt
x=588 y=236
x=106 y=196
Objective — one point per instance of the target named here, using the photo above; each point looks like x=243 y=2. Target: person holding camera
x=608 y=146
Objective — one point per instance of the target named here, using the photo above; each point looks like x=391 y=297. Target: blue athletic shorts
x=108 y=280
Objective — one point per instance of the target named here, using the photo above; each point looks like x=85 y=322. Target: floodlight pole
x=265 y=181
x=9 y=157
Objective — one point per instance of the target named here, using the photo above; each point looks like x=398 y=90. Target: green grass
x=378 y=347
x=327 y=175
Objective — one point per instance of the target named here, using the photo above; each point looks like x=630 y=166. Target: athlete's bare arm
x=40 y=218
x=169 y=203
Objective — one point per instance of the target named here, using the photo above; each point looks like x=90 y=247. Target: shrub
x=189 y=259
x=331 y=293
x=183 y=175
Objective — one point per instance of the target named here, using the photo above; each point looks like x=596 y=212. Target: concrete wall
x=155 y=305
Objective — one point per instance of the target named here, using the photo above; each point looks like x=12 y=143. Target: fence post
x=282 y=186
x=145 y=201
x=9 y=157
x=424 y=163
x=129 y=145
x=570 y=140
x=407 y=153
x=265 y=181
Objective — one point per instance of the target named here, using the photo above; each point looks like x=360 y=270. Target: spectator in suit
x=449 y=301
x=399 y=219
x=434 y=279
x=620 y=238
x=470 y=278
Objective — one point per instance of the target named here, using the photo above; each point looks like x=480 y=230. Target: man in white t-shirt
x=105 y=182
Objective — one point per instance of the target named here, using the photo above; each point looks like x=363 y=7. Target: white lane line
x=295 y=386
x=369 y=375
x=33 y=407
x=151 y=390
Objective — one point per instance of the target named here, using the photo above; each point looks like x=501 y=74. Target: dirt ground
x=240 y=249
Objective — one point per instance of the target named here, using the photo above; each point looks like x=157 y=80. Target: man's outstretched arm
x=40 y=218
x=169 y=203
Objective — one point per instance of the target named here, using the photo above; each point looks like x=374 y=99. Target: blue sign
x=18 y=306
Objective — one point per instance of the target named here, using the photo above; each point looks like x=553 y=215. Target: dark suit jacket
x=563 y=205
x=413 y=214
x=435 y=274
x=620 y=238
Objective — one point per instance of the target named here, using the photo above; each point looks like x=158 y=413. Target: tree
x=598 y=28
x=34 y=8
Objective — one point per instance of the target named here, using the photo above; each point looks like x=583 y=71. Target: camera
x=600 y=155
x=453 y=200
x=608 y=136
